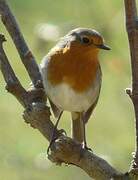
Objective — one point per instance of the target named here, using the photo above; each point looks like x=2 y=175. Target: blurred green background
x=110 y=132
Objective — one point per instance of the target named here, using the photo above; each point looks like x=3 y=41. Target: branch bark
x=37 y=114
x=26 y=55
x=13 y=84
x=132 y=30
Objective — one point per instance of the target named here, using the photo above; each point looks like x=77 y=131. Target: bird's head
x=87 y=40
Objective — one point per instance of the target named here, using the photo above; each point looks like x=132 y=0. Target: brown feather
x=74 y=68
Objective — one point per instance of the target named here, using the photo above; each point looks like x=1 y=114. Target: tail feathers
x=77 y=127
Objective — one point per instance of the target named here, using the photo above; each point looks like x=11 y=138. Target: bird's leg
x=77 y=127
x=84 y=142
x=84 y=134
x=53 y=138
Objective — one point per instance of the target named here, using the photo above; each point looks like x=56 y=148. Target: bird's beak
x=103 y=46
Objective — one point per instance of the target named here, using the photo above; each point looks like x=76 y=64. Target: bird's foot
x=50 y=144
x=54 y=138
x=84 y=146
x=63 y=132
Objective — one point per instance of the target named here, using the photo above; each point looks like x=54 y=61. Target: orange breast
x=76 y=68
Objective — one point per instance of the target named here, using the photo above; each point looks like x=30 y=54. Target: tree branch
x=68 y=151
x=37 y=114
x=26 y=55
x=13 y=84
x=131 y=26
x=65 y=149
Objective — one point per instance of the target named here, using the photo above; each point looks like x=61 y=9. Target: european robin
x=72 y=77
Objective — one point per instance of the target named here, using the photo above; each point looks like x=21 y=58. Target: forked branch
x=37 y=114
x=26 y=55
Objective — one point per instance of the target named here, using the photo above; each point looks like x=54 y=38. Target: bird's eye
x=85 y=40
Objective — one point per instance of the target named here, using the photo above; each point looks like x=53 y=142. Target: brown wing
x=88 y=113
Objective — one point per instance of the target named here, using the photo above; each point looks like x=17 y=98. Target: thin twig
x=13 y=84
x=26 y=55
x=131 y=21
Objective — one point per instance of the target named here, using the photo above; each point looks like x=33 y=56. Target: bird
x=72 y=78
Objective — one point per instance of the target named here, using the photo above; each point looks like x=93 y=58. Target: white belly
x=65 y=98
